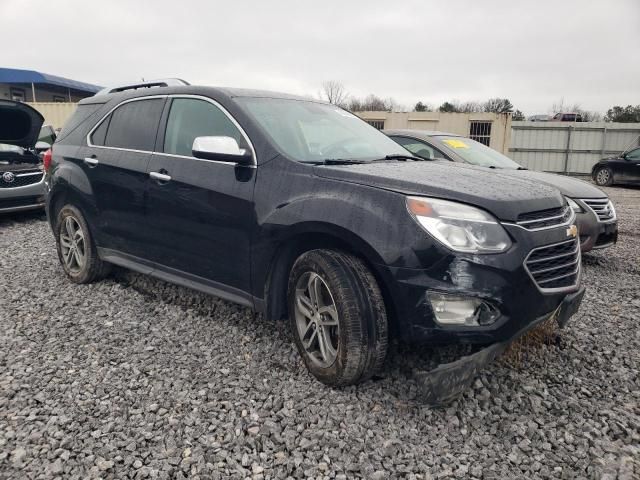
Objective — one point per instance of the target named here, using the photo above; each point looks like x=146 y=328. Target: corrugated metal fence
x=54 y=113
x=569 y=147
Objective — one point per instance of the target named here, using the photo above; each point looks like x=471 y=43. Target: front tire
x=76 y=249
x=337 y=317
x=604 y=177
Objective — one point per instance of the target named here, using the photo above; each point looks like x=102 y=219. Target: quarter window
x=190 y=118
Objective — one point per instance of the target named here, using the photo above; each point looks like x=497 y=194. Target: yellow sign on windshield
x=455 y=143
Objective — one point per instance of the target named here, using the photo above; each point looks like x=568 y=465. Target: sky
x=535 y=53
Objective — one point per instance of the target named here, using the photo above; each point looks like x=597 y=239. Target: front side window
x=420 y=149
x=634 y=154
x=190 y=118
x=132 y=126
x=312 y=132
x=476 y=153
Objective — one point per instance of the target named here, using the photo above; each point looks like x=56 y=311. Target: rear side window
x=190 y=118
x=134 y=125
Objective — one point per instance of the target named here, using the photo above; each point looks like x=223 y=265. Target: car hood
x=571 y=187
x=505 y=196
x=19 y=124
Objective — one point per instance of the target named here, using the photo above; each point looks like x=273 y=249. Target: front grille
x=21 y=179
x=555 y=266
x=544 y=218
x=601 y=207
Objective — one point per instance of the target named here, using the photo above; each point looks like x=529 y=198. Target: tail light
x=46 y=160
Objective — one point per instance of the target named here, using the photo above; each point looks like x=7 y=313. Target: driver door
x=200 y=212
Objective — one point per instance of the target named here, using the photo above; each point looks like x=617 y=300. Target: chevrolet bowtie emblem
x=572 y=231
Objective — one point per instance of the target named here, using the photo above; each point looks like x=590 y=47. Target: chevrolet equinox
x=300 y=210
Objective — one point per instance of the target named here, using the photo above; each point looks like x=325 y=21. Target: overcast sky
x=534 y=53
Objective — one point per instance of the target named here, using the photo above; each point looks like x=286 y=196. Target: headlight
x=574 y=206
x=458 y=226
x=613 y=211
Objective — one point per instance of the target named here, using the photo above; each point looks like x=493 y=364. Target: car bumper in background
x=20 y=199
x=595 y=234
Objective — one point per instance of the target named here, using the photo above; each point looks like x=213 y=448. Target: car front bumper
x=502 y=281
x=595 y=234
x=447 y=381
x=29 y=197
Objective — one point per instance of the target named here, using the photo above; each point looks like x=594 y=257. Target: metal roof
x=14 y=75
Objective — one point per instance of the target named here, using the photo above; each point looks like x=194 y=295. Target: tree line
x=334 y=92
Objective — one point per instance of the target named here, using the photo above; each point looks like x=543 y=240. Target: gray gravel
x=135 y=378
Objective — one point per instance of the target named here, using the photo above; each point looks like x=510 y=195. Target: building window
x=379 y=124
x=59 y=99
x=480 y=132
x=18 y=94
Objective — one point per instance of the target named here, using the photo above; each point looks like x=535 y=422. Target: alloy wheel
x=317 y=319
x=72 y=245
x=603 y=176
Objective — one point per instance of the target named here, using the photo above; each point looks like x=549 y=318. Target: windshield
x=476 y=153
x=316 y=132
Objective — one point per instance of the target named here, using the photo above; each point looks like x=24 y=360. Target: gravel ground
x=136 y=378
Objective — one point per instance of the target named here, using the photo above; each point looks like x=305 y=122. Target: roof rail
x=162 y=82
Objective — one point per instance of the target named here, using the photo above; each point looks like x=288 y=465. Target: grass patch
x=529 y=345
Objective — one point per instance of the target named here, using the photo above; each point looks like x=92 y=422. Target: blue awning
x=14 y=75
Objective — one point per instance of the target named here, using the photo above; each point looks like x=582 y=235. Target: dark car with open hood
x=595 y=214
x=21 y=169
x=300 y=210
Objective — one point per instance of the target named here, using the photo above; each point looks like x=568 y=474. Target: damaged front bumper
x=446 y=382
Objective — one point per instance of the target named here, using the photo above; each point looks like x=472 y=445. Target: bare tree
x=334 y=92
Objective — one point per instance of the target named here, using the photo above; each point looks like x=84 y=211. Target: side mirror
x=42 y=146
x=225 y=149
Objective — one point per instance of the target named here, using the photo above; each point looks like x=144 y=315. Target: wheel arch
x=319 y=236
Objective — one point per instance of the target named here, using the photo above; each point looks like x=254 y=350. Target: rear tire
x=604 y=177
x=76 y=249
x=346 y=314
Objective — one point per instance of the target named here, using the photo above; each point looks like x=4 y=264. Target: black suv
x=300 y=210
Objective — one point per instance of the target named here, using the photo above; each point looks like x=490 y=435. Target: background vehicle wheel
x=76 y=249
x=604 y=177
x=337 y=317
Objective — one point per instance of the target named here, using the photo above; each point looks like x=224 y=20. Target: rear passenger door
x=200 y=214
x=115 y=162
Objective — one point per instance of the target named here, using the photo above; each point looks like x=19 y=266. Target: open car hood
x=19 y=124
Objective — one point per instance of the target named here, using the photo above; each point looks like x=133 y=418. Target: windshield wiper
x=341 y=161
x=400 y=156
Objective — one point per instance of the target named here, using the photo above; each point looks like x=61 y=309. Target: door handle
x=91 y=162
x=161 y=177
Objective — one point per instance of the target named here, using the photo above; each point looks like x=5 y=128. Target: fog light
x=459 y=310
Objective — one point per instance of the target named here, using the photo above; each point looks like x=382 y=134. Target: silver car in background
x=21 y=166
